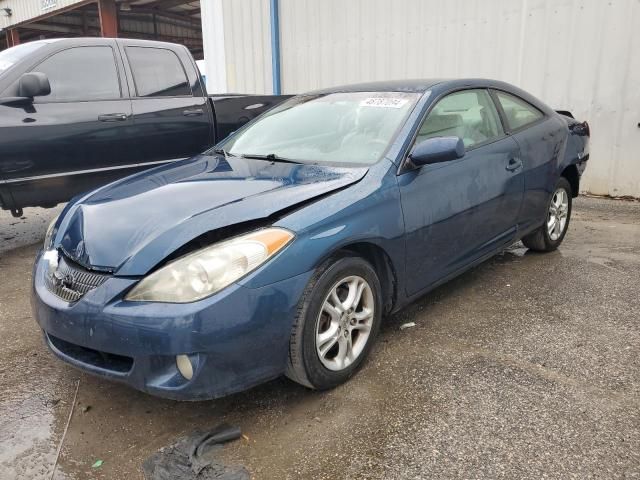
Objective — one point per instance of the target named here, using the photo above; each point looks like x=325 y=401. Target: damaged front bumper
x=234 y=339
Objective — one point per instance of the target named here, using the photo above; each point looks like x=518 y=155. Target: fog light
x=184 y=366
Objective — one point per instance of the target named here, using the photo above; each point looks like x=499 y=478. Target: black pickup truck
x=78 y=113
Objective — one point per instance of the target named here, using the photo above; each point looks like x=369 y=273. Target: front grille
x=71 y=282
x=106 y=361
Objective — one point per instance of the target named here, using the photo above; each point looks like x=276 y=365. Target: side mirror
x=436 y=150
x=34 y=84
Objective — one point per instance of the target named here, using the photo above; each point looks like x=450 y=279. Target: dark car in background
x=280 y=251
x=79 y=113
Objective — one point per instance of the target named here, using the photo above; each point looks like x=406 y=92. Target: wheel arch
x=382 y=264
x=573 y=177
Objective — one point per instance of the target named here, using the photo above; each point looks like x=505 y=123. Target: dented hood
x=130 y=226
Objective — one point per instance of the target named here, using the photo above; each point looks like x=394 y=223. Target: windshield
x=333 y=128
x=11 y=56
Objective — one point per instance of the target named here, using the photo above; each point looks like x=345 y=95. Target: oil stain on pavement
x=527 y=366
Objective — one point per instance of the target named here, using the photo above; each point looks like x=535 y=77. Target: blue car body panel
x=474 y=196
x=234 y=345
x=129 y=226
x=425 y=225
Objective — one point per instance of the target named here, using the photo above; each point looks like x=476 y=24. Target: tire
x=542 y=240
x=305 y=365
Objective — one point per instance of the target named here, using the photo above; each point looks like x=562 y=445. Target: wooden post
x=13 y=37
x=108 y=18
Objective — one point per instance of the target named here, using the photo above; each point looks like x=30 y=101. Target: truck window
x=157 y=72
x=81 y=74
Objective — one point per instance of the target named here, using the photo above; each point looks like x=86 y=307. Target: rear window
x=157 y=72
x=518 y=112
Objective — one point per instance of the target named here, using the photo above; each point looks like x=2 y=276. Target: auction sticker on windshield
x=384 y=102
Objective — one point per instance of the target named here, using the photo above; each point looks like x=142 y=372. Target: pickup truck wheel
x=338 y=319
x=550 y=235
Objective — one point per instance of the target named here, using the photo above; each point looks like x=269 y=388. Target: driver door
x=458 y=211
x=73 y=139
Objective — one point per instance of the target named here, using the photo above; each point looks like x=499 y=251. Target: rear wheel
x=550 y=235
x=337 y=322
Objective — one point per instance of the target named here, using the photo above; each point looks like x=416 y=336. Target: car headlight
x=48 y=237
x=209 y=270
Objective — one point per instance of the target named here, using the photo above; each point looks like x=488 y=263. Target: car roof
x=84 y=41
x=438 y=85
x=419 y=86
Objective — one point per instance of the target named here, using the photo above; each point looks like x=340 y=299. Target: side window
x=518 y=112
x=468 y=114
x=157 y=72
x=81 y=74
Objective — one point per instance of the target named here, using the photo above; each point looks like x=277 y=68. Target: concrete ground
x=527 y=366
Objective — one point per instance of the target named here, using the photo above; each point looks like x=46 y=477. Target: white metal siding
x=247 y=40
x=575 y=55
x=23 y=10
x=213 y=44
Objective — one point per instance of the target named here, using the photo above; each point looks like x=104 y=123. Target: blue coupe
x=281 y=250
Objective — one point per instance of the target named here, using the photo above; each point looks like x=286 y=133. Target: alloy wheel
x=344 y=323
x=558 y=212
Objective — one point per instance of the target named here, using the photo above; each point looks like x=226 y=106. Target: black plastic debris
x=195 y=458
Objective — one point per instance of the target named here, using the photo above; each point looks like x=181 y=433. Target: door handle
x=193 y=112
x=514 y=164
x=113 y=117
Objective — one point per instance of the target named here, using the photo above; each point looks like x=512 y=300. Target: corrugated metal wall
x=23 y=10
x=574 y=54
x=247 y=45
x=143 y=24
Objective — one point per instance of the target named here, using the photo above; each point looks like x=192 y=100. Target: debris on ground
x=194 y=458
x=407 y=325
x=97 y=464
x=86 y=408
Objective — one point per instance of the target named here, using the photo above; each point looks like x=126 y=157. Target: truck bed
x=234 y=110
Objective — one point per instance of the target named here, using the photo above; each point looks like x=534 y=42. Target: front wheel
x=338 y=319
x=550 y=235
